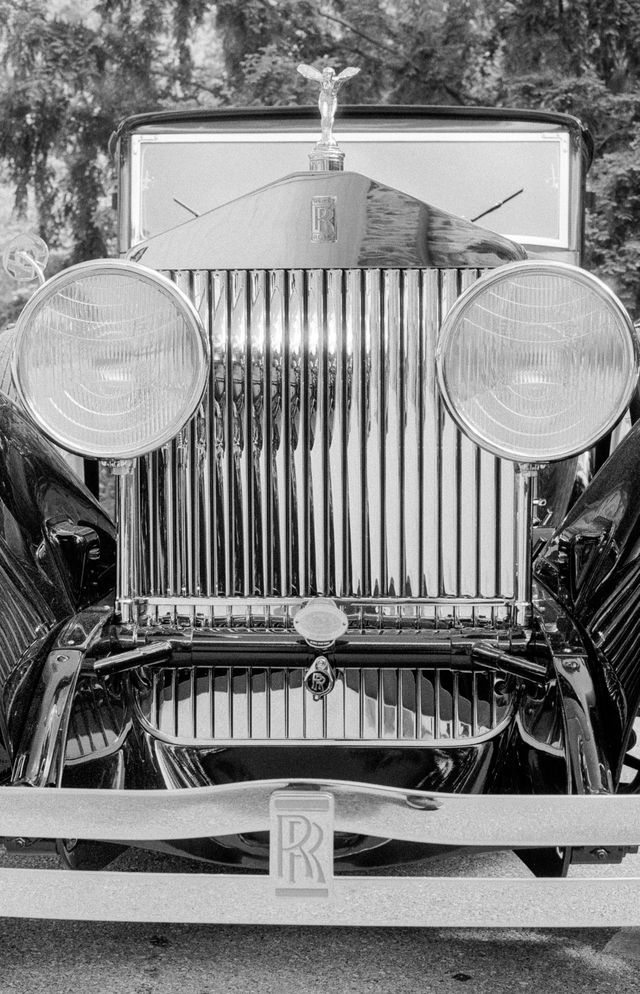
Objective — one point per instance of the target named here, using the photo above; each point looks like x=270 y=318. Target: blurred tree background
x=71 y=69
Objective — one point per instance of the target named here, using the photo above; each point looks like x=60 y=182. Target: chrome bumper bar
x=505 y=821
x=301 y=816
x=436 y=902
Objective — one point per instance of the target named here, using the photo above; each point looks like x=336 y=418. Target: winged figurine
x=328 y=100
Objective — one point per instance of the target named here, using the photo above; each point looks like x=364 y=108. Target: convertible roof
x=359 y=117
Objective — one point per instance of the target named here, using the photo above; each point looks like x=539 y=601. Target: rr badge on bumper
x=301 y=854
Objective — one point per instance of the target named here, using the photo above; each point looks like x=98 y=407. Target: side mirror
x=25 y=258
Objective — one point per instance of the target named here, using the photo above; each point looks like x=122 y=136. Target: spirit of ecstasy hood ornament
x=326 y=154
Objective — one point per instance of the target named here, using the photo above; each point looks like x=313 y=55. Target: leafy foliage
x=72 y=69
x=584 y=59
x=67 y=78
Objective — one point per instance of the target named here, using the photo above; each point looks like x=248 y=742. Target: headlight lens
x=111 y=359
x=537 y=361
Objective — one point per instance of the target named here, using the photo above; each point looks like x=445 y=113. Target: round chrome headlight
x=111 y=359
x=537 y=361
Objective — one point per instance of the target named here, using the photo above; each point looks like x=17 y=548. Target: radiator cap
x=320 y=622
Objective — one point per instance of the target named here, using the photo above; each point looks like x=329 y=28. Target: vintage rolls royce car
x=364 y=570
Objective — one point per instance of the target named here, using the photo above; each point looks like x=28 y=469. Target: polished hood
x=326 y=220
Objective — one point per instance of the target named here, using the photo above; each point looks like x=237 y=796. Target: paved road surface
x=55 y=957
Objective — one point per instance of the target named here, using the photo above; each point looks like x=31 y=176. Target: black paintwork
x=592 y=566
x=40 y=493
x=46 y=518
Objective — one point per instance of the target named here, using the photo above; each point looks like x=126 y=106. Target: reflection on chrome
x=205 y=704
x=322 y=462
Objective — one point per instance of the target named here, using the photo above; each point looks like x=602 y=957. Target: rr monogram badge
x=320 y=678
x=324 y=224
x=301 y=854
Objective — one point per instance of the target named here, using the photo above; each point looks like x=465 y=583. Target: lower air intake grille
x=202 y=705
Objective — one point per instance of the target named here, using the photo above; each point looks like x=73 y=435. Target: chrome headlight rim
x=158 y=280
x=536 y=266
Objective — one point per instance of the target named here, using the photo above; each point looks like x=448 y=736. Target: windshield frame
x=571 y=162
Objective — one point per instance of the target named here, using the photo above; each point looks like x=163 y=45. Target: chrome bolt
x=601 y=854
x=422 y=803
x=571 y=665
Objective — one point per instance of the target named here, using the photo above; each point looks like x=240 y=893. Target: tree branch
x=408 y=61
x=373 y=41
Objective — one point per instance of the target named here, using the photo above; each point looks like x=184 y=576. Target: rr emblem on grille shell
x=320 y=678
x=301 y=843
x=324 y=225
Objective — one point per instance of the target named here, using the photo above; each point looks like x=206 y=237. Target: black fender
x=57 y=555
x=591 y=565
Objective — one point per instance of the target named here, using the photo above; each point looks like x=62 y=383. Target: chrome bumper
x=505 y=821
x=461 y=820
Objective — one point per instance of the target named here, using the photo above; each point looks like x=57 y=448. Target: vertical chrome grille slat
x=392 y=443
x=318 y=429
x=170 y=522
x=506 y=535
x=223 y=359
x=245 y=414
x=410 y=425
x=468 y=582
x=184 y=480
x=211 y=697
x=356 y=435
x=374 y=420
x=474 y=704
x=200 y=467
x=213 y=510
x=153 y=698
x=173 y=701
x=281 y=430
x=430 y=424
x=455 y=715
x=448 y=471
x=300 y=427
x=338 y=370
x=489 y=578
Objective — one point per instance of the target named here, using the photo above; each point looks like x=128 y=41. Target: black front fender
x=592 y=566
x=57 y=551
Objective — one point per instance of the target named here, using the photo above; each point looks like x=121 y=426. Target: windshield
x=513 y=184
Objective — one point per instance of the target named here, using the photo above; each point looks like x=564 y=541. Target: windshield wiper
x=190 y=209
x=495 y=207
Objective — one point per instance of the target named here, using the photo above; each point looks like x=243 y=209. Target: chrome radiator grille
x=322 y=460
x=235 y=704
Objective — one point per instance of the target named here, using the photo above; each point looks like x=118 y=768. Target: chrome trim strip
x=451 y=617
x=502 y=820
x=39 y=759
